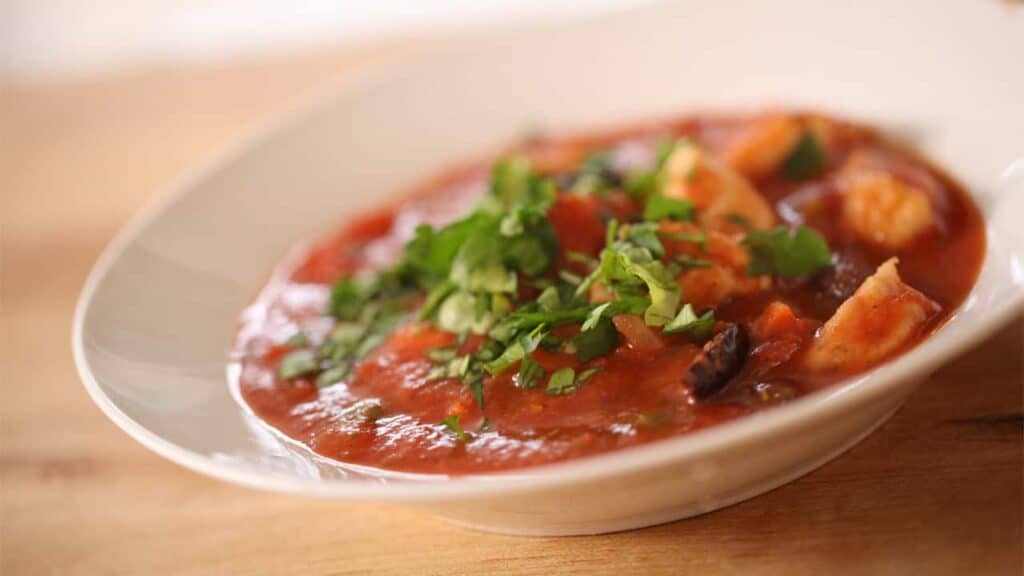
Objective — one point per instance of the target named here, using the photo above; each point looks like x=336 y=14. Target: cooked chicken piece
x=764 y=146
x=882 y=208
x=716 y=191
x=727 y=275
x=881 y=317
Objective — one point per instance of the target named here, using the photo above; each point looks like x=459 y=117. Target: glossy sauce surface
x=386 y=413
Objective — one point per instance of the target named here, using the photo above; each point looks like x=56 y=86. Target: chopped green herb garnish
x=595 y=316
x=692 y=237
x=586 y=374
x=549 y=299
x=785 y=252
x=442 y=354
x=298 y=363
x=435 y=298
x=349 y=295
x=522 y=347
x=530 y=372
x=690 y=262
x=298 y=340
x=580 y=258
x=565 y=380
x=643 y=236
x=333 y=375
x=601 y=339
x=570 y=277
x=453 y=426
x=596 y=174
x=687 y=321
x=641 y=183
x=807 y=158
x=562 y=381
x=661 y=207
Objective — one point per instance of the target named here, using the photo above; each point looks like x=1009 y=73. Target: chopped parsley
x=807 y=158
x=451 y=423
x=599 y=340
x=661 y=207
x=298 y=363
x=298 y=340
x=562 y=381
x=565 y=380
x=686 y=262
x=687 y=321
x=786 y=252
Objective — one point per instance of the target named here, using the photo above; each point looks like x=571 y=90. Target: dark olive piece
x=721 y=359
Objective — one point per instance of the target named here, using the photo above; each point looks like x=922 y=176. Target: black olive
x=848 y=271
x=719 y=361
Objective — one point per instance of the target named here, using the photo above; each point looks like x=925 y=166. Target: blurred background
x=61 y=39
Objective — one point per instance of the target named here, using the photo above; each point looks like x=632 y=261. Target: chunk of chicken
x=716 y=191
x=763 y=146
x=881 y=317
x=727 y=275
x=881 y=208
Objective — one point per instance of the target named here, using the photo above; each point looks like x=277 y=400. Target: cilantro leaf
x=333 y=375
x=692 y=237
x=297 y=340
x=690 y=262
x=687 y=321
x=452 y=424
x=429 y=255
x=641 y=183
x=549 y=299
x=595 y=316
x=350 y=294
x=596 y=174
x=562 y=381
x=598 y=341
x=808 y=157
x=529 y=244
x=529 y=373
x=661 y=207
x=477 y=265
x=663 y=288
x=517 y=351
x=643 y=236
x=298 y=363
x=514 y=184
x=785 y=252
x=565 y=380
x=464 y=312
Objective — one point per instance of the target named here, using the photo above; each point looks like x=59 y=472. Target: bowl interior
x=160 y=310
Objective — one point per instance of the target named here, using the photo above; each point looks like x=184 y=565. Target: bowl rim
x=839 y=397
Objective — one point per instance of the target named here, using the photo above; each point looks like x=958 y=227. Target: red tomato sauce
x=386 y=413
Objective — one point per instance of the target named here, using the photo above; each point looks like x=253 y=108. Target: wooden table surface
x=937 y=490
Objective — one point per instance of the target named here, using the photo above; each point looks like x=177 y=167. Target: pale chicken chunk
x=882 y=209
x=717 y=191
x=881 y=318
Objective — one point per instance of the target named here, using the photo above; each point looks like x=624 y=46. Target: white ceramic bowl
x=160 y=308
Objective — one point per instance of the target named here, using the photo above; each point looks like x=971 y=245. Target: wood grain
x=938 y=490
